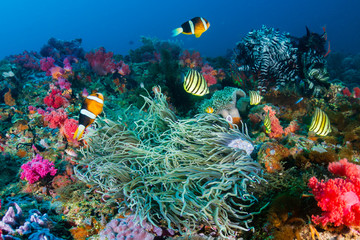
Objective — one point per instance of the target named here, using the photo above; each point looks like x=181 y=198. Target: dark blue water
x=114 y=24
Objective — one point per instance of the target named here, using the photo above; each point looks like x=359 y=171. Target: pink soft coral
x=339 y=197
x=38 y=168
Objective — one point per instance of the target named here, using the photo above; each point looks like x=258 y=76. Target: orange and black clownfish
x=91 y=107
x=195 y=26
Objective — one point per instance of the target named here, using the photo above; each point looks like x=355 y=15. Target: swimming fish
x=209 y=110
x=299 y=100
x=255 y=97
x=320 y=123
x=91 y=107
x=195 y=83
x=197 y=26
x=267 y=123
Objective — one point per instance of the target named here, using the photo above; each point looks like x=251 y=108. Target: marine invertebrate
x=191 y=60
x=27 y=60
x=276 y=129
x=36 y=225
x=224 y=103
x=59 y=49
x=280 y=61
x=68 y=128
x=179 y=172
x=36 y=169
x=8 y=99
x=55 y=99
x=129 y=228
x=339 y=197
x=101 y=61
x=46 y=64
x=56 y=118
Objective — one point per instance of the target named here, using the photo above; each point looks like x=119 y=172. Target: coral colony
x=159 y=162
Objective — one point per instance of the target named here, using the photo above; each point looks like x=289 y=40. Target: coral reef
x=338 y=198
x=181 y=171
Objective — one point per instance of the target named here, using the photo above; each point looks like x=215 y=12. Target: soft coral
x=339 y=198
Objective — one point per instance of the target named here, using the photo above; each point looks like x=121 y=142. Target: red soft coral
x=68 y=129
x=56 y=118
x=55 y=99
x=338 y=198
x=276 y=129
x=356 y=92
x=101 y=61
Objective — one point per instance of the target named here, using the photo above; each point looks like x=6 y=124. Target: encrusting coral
x=182 y=171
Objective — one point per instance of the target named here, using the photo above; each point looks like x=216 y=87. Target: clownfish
x=92 y=106
x=195 y=26
x=209 y=109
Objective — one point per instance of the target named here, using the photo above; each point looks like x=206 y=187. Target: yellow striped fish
x=320 y=123
x=255 y=97
x=195 y=83
x=267 y=123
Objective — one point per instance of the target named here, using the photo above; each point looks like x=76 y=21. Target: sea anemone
x=180 y=172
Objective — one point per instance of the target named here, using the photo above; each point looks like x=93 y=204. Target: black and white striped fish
x=255 y=97
x=195 y=83
x=320 y=123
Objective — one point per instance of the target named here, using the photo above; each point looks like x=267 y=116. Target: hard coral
x=38 y=168
x=338 y=198
x=128 y=228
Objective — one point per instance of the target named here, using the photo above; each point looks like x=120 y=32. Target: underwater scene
x=156 y=120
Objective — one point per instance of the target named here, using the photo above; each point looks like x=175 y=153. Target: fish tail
x=79 y=132
x=177 y=31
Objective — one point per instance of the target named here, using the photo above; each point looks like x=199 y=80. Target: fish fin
x=79 y=132
x=197 y=35
x=177 y=31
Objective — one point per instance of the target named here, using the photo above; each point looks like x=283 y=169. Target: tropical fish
x=91 y=107
x=320 y=123
x=255 y=97
x=195 y=83
x=196 y=26
x=71 y=152
x=299 y=100
x=267 y=123
x=209 y=110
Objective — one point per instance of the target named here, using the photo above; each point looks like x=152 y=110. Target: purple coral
x=128 y=228
x=36 y=225
x=38 y=168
